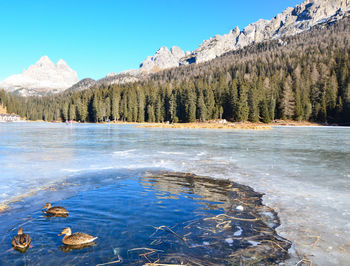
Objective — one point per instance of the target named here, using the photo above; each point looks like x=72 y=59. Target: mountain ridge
x=293 y=20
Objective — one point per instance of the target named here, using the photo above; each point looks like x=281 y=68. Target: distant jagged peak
x=62 y=64
x=162 y=49
x=177 y=52
x=235 y=31
x=111 y=74
x=45 y=62
x=162 y=59
x=174 y=51
x=44 y=59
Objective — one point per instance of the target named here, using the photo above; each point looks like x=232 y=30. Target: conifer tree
x=287 y=102
x=233 y=100
x=202 y=109
x=272 y=108
x=124 y=104
x=253 y=102
x=209 y=101
x=64 y=111
x=190 y=105
x=82 y=110
x=158 y=111
x=150 y=114
x=72 y=111
x=96 y=108
x=173 y=109
x=346 y=107
x=264 y=111
x=243 y=108
x=115 y=106
x=141 y=106
x=299 y=111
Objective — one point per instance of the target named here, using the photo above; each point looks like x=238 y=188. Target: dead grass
x=3 y=207
x=208 y=125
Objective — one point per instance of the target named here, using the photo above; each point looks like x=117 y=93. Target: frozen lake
x=304 y=171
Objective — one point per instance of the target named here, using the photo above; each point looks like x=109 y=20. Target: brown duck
x=76 y=238
x=56 y=210
x=21 y=241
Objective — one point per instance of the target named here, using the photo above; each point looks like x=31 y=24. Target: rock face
x=121 y=78
x=41 y=78
x=111 y=74
x=291 y=21
x=163 y=58
x=82 y=85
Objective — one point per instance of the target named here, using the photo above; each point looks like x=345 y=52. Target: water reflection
x=49 y=215
x=67 y=248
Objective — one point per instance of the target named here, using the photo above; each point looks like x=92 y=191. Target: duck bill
x=60 y=234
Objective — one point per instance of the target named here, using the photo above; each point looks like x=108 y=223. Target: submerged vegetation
x=303 y=77
x=243 y=234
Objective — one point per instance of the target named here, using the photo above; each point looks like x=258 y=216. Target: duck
x=21 y=241
x=76 y=239
x=55 y=210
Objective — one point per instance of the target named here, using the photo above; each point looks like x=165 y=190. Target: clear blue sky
x=102 y=36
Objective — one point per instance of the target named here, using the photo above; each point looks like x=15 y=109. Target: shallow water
x=305 y=172
x=170 y=218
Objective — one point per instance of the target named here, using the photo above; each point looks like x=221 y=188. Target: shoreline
x=225 y=125
x=243 y=126
x=214 y=124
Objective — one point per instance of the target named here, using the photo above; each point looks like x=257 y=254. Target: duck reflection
x=68 y=248
x=48 y=215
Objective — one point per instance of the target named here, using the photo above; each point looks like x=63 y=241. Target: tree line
x=303 y=77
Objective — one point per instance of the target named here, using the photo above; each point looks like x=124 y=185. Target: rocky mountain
x=291 y=21
x=111 y=78
x=121 y=78
x=41 y=78
x=163 y=58
x=83 y=85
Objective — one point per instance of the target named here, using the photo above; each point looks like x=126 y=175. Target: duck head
x=47 y=206
x=20 y=231
x=66 y=231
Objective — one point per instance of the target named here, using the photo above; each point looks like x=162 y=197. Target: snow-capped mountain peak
x=41 y=78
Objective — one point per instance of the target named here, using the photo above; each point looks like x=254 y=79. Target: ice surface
x=304 y=172
x=229 y=241
x=238 y=232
